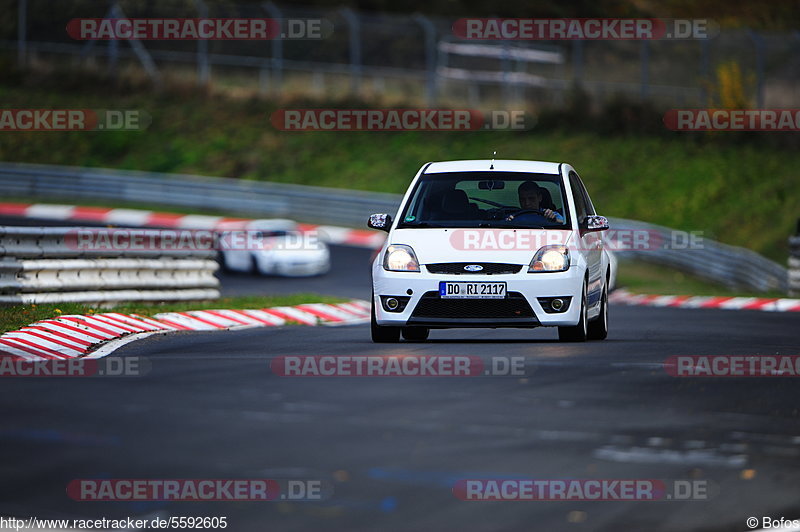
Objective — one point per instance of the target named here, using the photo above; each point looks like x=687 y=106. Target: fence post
x=430 y=57
x=22 y=33
x=577 y=62
x=203 y=72
x=138 y=48
x=505 y=62
x=705 y=69
x=113 y=45
x=355 y=48
x=758 y=43
x=277 y=47
x=644 y=55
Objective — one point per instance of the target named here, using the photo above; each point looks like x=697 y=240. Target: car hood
x=515 y=246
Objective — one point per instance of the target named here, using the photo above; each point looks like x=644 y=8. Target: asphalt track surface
x=392 y=447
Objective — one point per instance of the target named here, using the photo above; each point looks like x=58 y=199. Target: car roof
x=274 y=224
x=500 y=165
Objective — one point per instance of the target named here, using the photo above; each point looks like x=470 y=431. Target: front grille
x=489 y=268
x=432 y=306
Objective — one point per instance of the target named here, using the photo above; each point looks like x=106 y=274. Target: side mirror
x=596 y=223
x=382 y=222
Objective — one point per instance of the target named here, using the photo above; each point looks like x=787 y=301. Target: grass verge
x=739 y=190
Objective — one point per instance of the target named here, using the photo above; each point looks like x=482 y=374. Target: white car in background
x=274 y=247
x=468 y=249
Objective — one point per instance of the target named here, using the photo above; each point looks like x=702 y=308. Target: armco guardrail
x=43 y=265
x=794 y=263
x=732 y=266
x=311 y=204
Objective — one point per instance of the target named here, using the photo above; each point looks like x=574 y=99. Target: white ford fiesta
x=485 y=243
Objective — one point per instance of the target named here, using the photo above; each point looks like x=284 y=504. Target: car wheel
x=382 y=334
x=254 y=269
x=416 y=334
x=576 y=333
x=598 y=328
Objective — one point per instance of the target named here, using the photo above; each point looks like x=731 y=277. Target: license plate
x=470 y=290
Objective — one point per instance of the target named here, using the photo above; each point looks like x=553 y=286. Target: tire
x=382 y=334
x=579 y=332
x=416 y=334
x=598 y=328
x=223 y=264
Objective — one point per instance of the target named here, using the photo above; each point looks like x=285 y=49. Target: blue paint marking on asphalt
x=389 y=504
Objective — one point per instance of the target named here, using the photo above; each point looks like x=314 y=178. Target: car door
x=591 y=243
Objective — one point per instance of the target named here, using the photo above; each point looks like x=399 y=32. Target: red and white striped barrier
x=727 y=303
x=141 y=218
x=74 y=336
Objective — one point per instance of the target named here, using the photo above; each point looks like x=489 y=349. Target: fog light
x=392 y=303
x=553 y=305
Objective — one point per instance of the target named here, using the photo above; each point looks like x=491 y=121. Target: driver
x=530 y=198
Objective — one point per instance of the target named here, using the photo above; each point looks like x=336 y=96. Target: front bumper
x=521 y=308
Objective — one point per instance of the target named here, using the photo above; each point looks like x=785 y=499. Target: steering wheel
x=517 y=212
x=500 y=212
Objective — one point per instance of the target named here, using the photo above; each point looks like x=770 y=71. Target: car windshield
x=487 y=199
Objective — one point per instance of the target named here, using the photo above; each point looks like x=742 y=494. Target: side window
x=587 y=199
x=578 y=196
x=589 y=205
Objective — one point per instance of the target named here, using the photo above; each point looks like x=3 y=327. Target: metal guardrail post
x=277 y=49
x=355 y=48
x=203 y=69
x=430 y=57
x=22 y=32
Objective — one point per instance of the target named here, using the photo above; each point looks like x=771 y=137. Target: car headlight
x=550 y=259
x=400 y=258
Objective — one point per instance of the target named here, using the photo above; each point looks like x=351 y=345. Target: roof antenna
x=491 y=166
